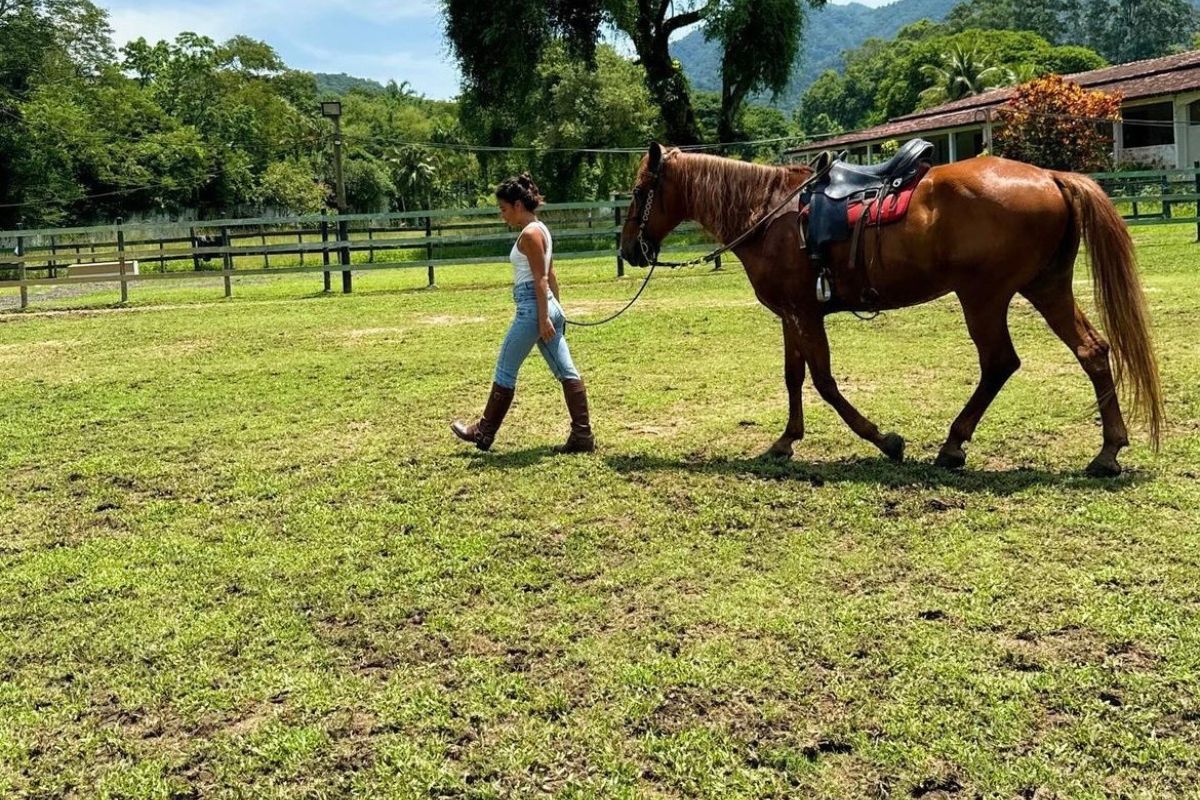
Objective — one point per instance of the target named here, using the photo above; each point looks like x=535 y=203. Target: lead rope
x=655 y=263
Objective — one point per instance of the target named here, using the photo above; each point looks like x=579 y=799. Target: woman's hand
x=546 y=329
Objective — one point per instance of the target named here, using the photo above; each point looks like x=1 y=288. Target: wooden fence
x=424 y=240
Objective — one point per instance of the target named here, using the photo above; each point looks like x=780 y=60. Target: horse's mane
x=727 y=196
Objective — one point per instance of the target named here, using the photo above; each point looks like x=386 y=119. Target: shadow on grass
x=877 y=471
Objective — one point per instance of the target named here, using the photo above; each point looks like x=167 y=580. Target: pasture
x=243 y=556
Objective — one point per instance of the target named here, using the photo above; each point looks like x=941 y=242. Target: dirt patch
x=450 y=319
x=367 y=333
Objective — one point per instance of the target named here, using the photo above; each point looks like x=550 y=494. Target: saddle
x=851 y=196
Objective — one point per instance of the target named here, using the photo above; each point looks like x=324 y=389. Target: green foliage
x=289 y=186
x=1121 y=30
x=886 y=79
x=759 y=43
x=341 y=83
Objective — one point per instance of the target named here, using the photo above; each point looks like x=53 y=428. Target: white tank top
x=521 y=270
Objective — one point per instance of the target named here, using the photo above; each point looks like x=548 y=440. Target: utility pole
x=333 y=110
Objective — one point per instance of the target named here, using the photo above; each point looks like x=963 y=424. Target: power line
x=98 y=195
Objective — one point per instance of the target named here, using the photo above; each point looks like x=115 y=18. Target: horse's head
x=656 y=208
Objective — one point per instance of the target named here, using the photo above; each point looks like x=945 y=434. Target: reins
x=653 y=262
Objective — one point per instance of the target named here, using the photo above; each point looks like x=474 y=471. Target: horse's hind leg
x=987 y=322
x=1057 y=304
x=816 y=353
x=793 y=375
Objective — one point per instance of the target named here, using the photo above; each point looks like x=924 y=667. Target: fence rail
x=426 y=239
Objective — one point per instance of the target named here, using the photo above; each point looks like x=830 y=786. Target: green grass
x=243 y=557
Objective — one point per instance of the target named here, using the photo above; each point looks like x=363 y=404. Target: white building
x=1160 y=117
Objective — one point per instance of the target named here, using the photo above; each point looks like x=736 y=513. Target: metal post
x=617 y=222
x=21 y=274
x=325 y=248
x=344 y=256
x=343 y=230
x=53 y=256
x=1196 y=166
x=262 y=235
x=195 y=258
x=121 y=261
x=227 y=261
x=370 y=244
x=1166 y=204
x=429 y=249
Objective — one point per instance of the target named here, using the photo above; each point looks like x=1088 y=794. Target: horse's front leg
x=793 y=376
x=816 y=353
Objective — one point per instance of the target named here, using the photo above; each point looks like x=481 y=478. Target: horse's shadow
x=852 y=470
x=879 y=471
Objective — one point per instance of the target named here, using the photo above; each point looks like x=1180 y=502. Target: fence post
x=1196 y=166
x=21 y=274
x=718 y=264
x=344 y=256
x=325 y=248
x=617 y=221
x=53 y=256
x=1166 y=204
x=195 y=258
x=121 y=261
x=429 y=250
x=262 y=234
x=227 y=262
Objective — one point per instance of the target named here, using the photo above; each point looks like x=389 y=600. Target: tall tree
x=759 y=41
x=1130 y=30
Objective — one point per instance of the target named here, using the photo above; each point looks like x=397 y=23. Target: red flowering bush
x=1057 y=124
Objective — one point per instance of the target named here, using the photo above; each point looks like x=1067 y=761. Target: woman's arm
x=533 y=245
x=554 y=282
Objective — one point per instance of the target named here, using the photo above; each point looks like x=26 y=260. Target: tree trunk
x=669 y=89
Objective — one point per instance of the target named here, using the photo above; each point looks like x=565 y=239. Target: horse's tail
x=1118 y=293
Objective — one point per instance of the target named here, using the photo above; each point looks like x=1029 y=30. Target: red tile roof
x=1135 y=80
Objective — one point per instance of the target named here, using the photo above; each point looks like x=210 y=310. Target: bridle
x=823 y=164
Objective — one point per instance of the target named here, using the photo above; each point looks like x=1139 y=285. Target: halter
x=824 y=162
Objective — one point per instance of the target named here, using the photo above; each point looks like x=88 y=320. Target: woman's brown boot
x=581 y=439
x=483 y=433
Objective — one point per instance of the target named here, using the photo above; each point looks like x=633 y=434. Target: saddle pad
x=895 y=206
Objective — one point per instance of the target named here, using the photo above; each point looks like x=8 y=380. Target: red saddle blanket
x=895 y=206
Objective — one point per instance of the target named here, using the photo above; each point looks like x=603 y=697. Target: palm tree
x=415 y=171
x=962 y=73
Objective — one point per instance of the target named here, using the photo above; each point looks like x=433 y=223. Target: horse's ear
x=656 y=156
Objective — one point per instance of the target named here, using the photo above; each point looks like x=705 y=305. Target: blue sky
x=380 y=39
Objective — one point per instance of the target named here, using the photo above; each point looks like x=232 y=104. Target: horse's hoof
x=951 y=459
x=893 y=447
x=1103 y=466
x=779 y=452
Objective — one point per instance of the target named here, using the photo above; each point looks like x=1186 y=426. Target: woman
x=539 y=320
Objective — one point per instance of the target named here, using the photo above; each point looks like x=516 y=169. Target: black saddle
x=846 y=180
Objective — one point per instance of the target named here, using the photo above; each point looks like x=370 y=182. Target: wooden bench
x=102 y=269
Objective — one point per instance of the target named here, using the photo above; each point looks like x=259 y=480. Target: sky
x=385 y=40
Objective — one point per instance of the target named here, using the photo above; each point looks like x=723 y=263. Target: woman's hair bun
x=520 y=189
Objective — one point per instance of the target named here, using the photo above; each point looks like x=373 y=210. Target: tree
x=1049 y=19
x=759 y=40
x=1057 y=124
x=962 y=72
x=1130 y=30
x=884 y=79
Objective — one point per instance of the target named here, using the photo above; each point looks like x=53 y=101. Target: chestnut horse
x=985 y=229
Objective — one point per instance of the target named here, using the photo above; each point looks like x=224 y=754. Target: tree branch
x=687 y=18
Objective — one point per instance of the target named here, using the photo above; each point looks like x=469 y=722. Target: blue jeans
x=523 y=334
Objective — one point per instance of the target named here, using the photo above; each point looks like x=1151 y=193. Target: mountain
x=342 y=83
x=829 y=31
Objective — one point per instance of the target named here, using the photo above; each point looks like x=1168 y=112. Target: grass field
x=243 y=557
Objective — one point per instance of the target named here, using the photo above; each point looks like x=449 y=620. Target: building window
x=1149 y=126
x=1195 y=113
x=968 y=144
